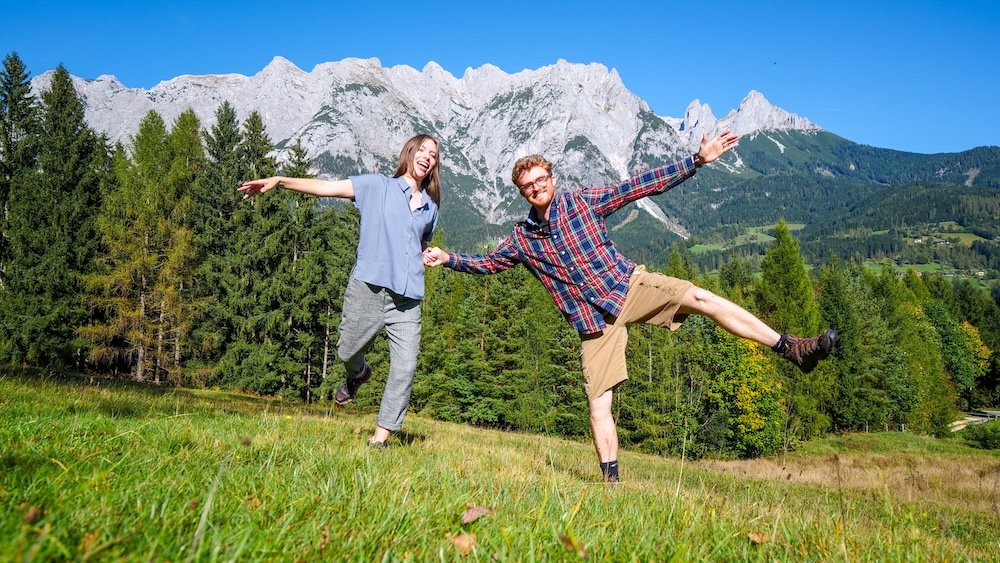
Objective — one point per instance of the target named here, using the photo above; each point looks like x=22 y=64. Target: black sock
x=782 y=346
x=609 y=469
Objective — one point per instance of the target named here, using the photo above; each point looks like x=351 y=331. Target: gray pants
x=367 y=309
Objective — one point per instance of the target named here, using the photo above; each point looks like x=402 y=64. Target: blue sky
x=916 y=75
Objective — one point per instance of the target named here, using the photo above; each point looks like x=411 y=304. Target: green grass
x=965 y=239
x=703 y=248
x=924 y=268
x=138 y=473
x=750 y=235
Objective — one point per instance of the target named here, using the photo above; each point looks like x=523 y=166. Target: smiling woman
x=398 y=216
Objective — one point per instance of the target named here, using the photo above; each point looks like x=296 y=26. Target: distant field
x=703 y=248
x=924 y=268
x=976 y=281
x=132 y=472
x=751 y=235
x=964 y=238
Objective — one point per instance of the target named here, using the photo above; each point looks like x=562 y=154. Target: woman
x=398 y=216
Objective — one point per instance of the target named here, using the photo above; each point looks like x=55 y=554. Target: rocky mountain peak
x=756 y=114
x=355 y=110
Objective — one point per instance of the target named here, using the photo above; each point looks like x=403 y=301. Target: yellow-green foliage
x=745 y=388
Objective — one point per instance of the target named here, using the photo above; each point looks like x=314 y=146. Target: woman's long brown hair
x=432 y=181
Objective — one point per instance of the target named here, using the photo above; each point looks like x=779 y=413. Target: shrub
x=986 y=435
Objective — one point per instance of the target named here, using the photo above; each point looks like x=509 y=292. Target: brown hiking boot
x=349 y=389
x=807 y=352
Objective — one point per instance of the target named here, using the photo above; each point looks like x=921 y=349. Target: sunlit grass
x=128 y=472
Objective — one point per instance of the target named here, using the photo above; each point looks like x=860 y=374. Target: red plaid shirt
x=576 y=261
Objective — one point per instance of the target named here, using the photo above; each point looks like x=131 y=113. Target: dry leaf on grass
x=34 y=514
x=464 y=542
x=757 y=537
x=573 y=545
x=89 y=542
x=474 y=513
x=324 y=538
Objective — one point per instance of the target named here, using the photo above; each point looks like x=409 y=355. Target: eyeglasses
x=540 y=181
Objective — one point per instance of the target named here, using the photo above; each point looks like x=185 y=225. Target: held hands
x=434 y=256
x=719 y=145
x=257 y=187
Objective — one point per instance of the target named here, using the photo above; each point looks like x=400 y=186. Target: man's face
x=537 y=186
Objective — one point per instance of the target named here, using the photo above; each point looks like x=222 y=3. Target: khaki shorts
x=652 y=299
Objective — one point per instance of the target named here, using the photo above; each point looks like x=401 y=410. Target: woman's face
x=424 y=159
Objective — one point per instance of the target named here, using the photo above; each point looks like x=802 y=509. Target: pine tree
x=871 y=385
x=52 y=235
x=736 y=278
x=256 y=275
x=319 y=243
x=18 y=124
x=788 y=304
x=786 y=300
x=333 y=240
x=214 y=201
x=679 y=265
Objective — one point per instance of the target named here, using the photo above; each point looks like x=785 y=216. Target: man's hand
x=719 y=145
x=434 y=256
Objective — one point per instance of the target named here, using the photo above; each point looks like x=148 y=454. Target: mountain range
x=353 y=115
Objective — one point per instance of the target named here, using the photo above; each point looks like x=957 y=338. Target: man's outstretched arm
x=503 y=258
x=609 y=199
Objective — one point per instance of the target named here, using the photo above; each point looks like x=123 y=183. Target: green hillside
x=130 y=472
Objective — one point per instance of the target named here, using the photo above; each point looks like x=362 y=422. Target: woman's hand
x=257 y=187
x=434 y=256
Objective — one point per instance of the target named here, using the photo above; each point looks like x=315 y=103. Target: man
x=564 y=243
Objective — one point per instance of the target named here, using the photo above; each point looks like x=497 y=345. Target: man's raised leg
x=728 y=315
x=803 y=352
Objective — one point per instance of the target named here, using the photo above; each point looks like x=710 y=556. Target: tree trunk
x=309 y=376
x=326 y=340
x=140 y=360
x=177 y=341
x=159 y=344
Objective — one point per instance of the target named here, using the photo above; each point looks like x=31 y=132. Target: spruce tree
x=788 y=304
x=214 y=201
x=256 y=275
x=870 y=386
x=52 y=235
x=319 y=240
x=786 y=300
x=18 y=123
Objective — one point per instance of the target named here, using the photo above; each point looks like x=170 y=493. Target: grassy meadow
x=115 y=471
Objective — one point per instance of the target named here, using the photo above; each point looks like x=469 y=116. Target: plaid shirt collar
x=535 y=227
